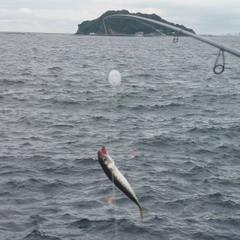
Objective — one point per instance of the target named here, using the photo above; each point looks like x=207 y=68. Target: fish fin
x=142 y=209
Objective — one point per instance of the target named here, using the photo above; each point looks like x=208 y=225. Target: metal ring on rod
x=220 y=67
x=175 y=39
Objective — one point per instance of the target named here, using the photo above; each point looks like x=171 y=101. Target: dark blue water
x=173 y=128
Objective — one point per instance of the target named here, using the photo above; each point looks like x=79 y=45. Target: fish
x=110 y=169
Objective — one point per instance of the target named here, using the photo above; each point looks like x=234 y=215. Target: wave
x=40 y=235
x=11 y=82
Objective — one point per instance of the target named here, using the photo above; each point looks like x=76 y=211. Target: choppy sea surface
x=172 y=127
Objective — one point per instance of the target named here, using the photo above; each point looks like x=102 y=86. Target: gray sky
x=62 y=16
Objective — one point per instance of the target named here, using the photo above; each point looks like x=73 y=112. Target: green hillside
x=123 y=26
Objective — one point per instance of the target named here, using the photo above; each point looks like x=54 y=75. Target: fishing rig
x=218 y=68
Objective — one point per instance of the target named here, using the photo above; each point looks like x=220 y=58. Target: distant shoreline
x=109 y=35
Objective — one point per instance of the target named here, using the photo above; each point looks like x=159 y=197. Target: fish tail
x=142 y=209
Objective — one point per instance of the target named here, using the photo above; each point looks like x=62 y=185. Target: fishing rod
x=221 y=47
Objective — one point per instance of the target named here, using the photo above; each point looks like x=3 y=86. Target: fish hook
x=220 y=67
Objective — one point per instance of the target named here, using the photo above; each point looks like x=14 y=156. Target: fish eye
x=104 y=159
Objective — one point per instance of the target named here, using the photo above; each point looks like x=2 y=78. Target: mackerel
x=109 y=167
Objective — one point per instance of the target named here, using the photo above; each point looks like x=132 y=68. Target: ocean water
x=173 y=128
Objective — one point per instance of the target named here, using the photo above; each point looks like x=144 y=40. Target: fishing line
x=111 y=79
x=157 y=30
x=109 y=46
x=113 y=186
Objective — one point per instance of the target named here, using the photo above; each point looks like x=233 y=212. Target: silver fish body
x=116 y=177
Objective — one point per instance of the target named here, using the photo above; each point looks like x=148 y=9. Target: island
x=126 y=26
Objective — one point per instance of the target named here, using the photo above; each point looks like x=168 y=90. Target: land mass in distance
x=127 y=27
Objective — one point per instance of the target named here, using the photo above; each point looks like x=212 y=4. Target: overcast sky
x=62 y=16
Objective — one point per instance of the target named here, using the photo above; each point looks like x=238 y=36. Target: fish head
x=103 y=151
x=104 y=158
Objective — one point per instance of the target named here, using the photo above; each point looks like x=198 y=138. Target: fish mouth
x=102 y=152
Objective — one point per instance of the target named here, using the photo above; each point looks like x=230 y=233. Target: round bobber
x=114 y=78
